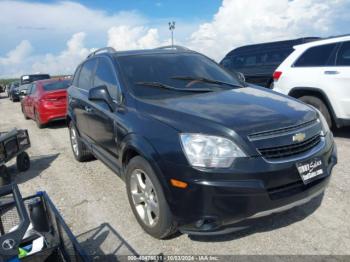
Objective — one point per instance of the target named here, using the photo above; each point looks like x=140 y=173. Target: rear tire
x=143 y=204
x=320 y=105
x=37 y=120
x=24 y=114
x=23 y=162
x=80 y=151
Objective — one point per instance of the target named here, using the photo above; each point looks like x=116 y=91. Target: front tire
x=147 y=200
x=80 y=151
x=320 y=105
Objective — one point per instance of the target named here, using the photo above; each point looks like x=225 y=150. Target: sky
x=52 y=36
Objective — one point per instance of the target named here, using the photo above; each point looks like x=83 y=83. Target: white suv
x=318 y=73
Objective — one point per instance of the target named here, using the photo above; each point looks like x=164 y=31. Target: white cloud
x=16 y=56
x=48 y=26
x=127 y=37
x=244 y=22
x=67 y=60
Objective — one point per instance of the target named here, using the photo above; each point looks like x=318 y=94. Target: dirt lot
x=93 y=201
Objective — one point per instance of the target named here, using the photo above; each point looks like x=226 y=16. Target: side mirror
x=100 y=93
x=241 y=77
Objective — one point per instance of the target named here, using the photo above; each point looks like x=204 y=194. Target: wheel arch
x=298 y=92
x=136 y=145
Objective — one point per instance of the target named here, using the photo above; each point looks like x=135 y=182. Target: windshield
x=164 y=75
x=56 y=85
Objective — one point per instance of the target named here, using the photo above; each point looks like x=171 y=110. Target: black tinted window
x=84 y=81
x=316 y=56
x=251 y=60
x=105 y=76
x=274 y=57
x=343 y=57
x=62 y=84
x=227 y=63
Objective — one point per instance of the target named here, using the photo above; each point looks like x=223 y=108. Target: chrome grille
x=290 y=150
x=280 y=131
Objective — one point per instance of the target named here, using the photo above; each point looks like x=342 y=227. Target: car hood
x=244 y=110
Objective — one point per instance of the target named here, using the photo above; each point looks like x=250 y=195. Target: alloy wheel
x=74 y=141
x=144 y=197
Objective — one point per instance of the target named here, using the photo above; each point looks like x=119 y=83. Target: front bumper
x=15 y=96
x=256 y=188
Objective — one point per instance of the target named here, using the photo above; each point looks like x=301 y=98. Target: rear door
x=315 y=68
x=80 y=102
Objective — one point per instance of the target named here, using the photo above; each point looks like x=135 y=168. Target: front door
x=103 y=120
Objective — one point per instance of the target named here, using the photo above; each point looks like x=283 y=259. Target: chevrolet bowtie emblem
x=299 y=137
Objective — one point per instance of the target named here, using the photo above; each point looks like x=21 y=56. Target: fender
x=310 y=90
x=144 y=148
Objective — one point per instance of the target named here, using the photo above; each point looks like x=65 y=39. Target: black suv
x=198 y=149
x=258 y=62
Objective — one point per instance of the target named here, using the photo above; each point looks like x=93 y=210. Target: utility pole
x=172 y=28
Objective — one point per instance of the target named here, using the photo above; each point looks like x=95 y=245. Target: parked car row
x=314 y=70
x=200 y=150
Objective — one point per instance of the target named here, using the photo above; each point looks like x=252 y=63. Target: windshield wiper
x=205 y=80
x=160 y=85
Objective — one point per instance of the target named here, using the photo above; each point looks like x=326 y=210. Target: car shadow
x=266 y=224
x=342 y=132
x=104 y=243
x=37 y=165
x=57 y=124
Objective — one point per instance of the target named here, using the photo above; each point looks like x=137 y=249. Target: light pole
x=172 y=28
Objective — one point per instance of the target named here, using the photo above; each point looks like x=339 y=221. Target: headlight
x=209 y=151
x=323 y=121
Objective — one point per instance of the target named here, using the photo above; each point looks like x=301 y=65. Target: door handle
x=331 y=72
x=88 y=109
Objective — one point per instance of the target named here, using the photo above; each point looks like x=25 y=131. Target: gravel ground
x=93 y=201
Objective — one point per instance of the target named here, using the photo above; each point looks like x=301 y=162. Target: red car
x=46 y=101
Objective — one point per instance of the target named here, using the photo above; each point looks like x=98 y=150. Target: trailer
x=31 y=229
x=13 y=144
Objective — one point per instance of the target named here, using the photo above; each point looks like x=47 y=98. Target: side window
x=32 y=89
x=250 y=60
x=86 y=72
x=76 y=77
x=105 y=76
x=274 y=57
x=316 y=56
x=227 y=63
x=237 y=62
x=343 y=57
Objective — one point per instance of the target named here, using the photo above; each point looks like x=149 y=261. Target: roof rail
x=104 y=50
x=335 y=36
x=176 y=47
